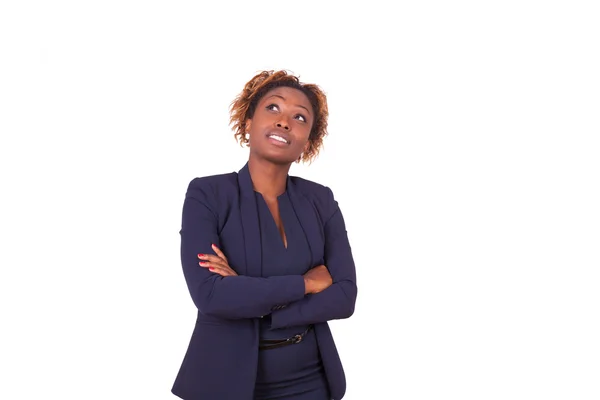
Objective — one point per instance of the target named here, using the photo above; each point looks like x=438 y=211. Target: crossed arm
x=236 y=297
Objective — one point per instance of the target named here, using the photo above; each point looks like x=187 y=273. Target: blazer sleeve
x=338 y=300
x=232 y=297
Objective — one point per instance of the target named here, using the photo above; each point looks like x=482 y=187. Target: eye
x=301 y=117
x=273 y=107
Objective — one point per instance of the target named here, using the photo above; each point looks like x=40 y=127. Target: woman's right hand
x=317 y=279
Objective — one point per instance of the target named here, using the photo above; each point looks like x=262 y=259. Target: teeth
x=279 y=138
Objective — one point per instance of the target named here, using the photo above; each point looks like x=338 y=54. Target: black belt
x=274 y=343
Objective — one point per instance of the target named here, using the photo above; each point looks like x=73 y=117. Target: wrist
x=307 y=286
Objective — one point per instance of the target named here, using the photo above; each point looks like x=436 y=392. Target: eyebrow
x=297 y=105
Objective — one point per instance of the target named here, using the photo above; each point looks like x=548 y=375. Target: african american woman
x=266 y=258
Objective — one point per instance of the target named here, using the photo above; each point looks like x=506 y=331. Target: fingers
x=222 y=271
x=219 y=252
x=211 y=258
x=216 y=264
x=208 y=260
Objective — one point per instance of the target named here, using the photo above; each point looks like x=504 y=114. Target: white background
x=463 y=151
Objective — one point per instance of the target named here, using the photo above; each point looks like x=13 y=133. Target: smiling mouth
x=278 y=138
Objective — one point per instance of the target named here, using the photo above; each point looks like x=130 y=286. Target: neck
x=267 y=178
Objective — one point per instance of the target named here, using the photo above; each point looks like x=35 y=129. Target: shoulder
x=219 y=181
x=311 y=188
x=211 y=188
x=320 y=195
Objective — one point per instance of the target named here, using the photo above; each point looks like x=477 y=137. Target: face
x=281 y=125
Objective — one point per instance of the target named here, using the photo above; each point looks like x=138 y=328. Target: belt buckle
x=297 y=339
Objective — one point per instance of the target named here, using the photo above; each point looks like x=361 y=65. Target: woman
x=266 y=258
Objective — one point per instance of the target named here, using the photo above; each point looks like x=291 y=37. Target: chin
x=279 y=159
x=275 y=156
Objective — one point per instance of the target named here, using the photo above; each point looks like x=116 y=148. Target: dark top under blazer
x=221 y=359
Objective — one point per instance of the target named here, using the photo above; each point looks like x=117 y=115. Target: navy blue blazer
x=222 y=356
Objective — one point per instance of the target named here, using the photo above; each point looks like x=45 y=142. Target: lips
x=280 y=137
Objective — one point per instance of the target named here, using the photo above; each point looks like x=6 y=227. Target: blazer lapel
x=310 y=222
x=250 y=224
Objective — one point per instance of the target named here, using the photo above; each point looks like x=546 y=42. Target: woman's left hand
x=217 y=264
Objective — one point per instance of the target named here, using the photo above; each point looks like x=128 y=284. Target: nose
x=283 y=123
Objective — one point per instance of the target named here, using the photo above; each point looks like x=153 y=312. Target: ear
x=248 y=125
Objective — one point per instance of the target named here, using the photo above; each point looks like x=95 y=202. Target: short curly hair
x=243 y=106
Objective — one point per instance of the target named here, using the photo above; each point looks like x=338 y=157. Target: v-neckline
x=282 y=238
